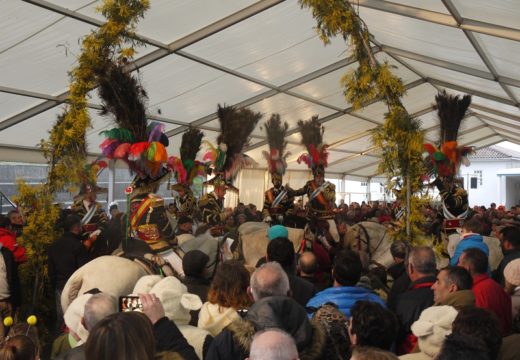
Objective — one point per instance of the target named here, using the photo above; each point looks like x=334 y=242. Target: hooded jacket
x=271 y=312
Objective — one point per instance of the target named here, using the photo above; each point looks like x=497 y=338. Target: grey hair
x=422 y=258
x=269 y=280
x=97 y=308
x=279 y=346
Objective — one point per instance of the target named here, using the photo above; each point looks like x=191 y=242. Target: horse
x=371 y=239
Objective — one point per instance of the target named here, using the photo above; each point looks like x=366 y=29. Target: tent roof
x=266 y=55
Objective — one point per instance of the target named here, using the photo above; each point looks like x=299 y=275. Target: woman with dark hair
x=122 y=336
x=19 y=347
x=227 y=295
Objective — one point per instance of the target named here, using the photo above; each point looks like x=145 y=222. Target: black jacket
x=302 y=290
x=199 y=287
x=65 y=255
x=509 y=255
x=169 y=338
x=12 y=277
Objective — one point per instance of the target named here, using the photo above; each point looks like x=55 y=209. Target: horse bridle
x=367 y=242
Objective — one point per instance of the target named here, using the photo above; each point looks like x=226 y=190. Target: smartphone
x=130 y=303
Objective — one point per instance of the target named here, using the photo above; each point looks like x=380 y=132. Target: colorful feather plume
x=312 y=138
x=185 y=168
x=140 y=144
x=275 y=131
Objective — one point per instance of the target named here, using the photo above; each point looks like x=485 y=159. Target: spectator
x=281 y=250
x=113 y=210
x=421 y=268
x=479 y=324
x=470 y=238
x=17 y=222
x=194 y=266
x=453 y=287
x=458 y=347
x=10 y=290
x=488 y=294
x=253 y=214
x=397 y=271
x=335 y=324
x=510 y=244
x=372 y=325
x=269 y=280
x=8 y=240
x=308 y=266
x=66 y=255
x=512 y=284
x=227 y=295
x=344 y=293
x=273 y=344
x=184 y=225
x=96 y=307
x=433 y=326
x=368 y=353
x=19 y=347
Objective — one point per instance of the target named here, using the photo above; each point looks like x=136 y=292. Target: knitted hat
x=73 y=317
x=277 y=231
x=174 y=296
x=512 y=272
x=194 y=262
x=433 y=326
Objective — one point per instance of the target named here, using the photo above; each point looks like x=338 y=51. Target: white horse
x=371 y=239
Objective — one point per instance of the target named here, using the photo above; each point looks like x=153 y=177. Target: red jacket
x=8 y=239
x=489 y=295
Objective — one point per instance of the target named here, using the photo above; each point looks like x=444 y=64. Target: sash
x=141 y=210
x=279 y=198
x=317 y=193
x=89 y=215
x=448 y=215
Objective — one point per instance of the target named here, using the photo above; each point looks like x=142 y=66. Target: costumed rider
x=445 y=161
x=227 y=158
x=277 y=202
x=186 y=170
x=321 y=194
x=142 y=146
x=93 y=217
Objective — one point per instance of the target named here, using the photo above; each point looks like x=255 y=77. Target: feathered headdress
x=276 y=159
x=312 y=137
x=140 y=144
x=185 y=168
x=445 y=161
x=236 y=125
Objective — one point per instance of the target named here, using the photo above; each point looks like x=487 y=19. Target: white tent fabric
x=266 y=55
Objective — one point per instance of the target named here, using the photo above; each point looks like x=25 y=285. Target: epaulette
x=204 y=200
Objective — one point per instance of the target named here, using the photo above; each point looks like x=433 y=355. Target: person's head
x=433 y=325
x=482 y=324
x=220 y=191
x=185 y=224
x=4 y=222
x=241 y=218
x=372 y=325
x=72 y=224
x=493 y=206
x=97 y=308
x=346 y=269
x=269 y=280
x=114 y=210
x=449 y=280
x=276 y=179
x=370 y=353
x=474 y=260
x=19 y=347
x=281 y=250
x=510 y=238
x=399 y=250
x=308 y=264
x=15 y=217
x=241 y=208
x=194 y=263
x=273 y=344
x=472 y=225
x=123 y=335
x=457 y=347
x=23 y=328
x=229 y=286
x=512 y=275
x=421 y=262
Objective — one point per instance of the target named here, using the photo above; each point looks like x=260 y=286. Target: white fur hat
x=73 y=317
x=433 y=326
x=174 y=296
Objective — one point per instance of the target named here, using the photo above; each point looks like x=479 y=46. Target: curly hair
x=229 y=286
x=480 y=324
x=458 y=346
x=373 y=325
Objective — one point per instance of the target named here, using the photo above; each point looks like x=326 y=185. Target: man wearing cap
x=277 y=203
x=91 y=213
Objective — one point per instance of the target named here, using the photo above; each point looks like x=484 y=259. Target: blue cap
x=277 y=231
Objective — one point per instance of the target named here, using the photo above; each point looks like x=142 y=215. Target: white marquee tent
x=266 y=55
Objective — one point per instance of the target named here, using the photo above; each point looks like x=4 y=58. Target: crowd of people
x=293 y=305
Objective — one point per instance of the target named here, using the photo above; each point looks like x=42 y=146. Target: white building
x=493 y=176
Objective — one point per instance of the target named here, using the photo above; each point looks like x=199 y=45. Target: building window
x=474 y=181
x=363 y=184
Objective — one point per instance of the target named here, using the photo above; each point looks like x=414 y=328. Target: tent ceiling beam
x=440 y=18
x=495 y=112
x=487 y=119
